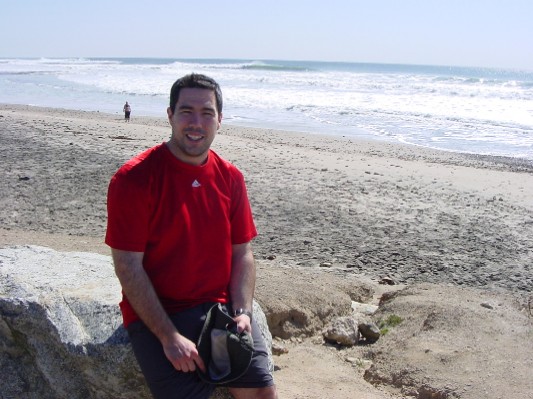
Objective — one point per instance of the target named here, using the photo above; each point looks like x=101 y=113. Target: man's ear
x=169 y=112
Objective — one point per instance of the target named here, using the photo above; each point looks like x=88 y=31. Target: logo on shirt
x=195 y=183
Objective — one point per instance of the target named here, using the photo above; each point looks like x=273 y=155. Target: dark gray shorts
x=165 y=382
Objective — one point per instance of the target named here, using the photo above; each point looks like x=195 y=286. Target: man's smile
x=195 y=135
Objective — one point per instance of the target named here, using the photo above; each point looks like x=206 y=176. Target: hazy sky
x=496 y=33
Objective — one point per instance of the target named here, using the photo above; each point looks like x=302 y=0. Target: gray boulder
x=61 y=333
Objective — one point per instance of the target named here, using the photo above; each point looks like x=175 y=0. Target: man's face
x=195 y=122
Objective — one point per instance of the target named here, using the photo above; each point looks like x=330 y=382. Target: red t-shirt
x=185 y=219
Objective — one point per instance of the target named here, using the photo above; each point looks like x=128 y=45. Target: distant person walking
x=127 y=112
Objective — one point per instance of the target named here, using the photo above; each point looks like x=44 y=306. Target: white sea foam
x=459 y=109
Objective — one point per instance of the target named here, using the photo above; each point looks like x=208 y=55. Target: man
x=180 y=227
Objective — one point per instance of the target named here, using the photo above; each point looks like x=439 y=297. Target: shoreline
x=521 y=163
x=353 y=206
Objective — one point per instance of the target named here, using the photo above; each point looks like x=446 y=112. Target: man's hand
x=182 y=353
x=243 y=323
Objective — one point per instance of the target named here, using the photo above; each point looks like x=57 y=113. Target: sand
x=322 y=204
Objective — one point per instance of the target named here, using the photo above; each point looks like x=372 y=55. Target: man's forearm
x=141 y=294
x=138 y=288
x=242 y=284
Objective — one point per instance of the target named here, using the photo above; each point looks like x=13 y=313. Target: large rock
x=61 y=333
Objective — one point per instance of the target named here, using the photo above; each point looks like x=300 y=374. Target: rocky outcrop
x=301 y=302
x=61 y=333
x=448 y=344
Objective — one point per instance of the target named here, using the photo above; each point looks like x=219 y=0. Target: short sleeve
x=127 y=211
x=242 y=223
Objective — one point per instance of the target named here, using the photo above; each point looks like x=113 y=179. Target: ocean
x=474 y=110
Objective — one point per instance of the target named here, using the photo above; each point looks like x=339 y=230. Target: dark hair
x=192 y=81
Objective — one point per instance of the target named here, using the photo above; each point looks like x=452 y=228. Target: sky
x=486 y=33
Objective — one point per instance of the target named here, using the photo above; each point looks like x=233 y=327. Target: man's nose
x=195 y=119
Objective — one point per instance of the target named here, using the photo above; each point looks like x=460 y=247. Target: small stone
x=370 y=331
x=387 y=281
x=364 y=308
x=343 y=331
x=278 y=349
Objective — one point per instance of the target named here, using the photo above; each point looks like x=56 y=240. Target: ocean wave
x=420 y=104
x=267 y=66
x=240 y=65
x=22 y=73
x=76 y=61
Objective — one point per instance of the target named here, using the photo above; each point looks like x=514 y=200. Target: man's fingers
x=185 y=366
x=200 y=363
x=184 y=356
x=190 y=366
x=192 y=363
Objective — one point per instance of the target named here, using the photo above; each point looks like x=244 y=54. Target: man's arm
x=138 y=288
x=242 y=283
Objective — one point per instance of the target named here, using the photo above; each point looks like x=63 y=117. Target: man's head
x=198 y=81
x=195 y=116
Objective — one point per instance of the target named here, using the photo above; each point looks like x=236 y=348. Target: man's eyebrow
x=186 y=107
x=212 y=107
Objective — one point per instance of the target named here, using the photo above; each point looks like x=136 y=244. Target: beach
x=367 y=207
x=322 y=204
